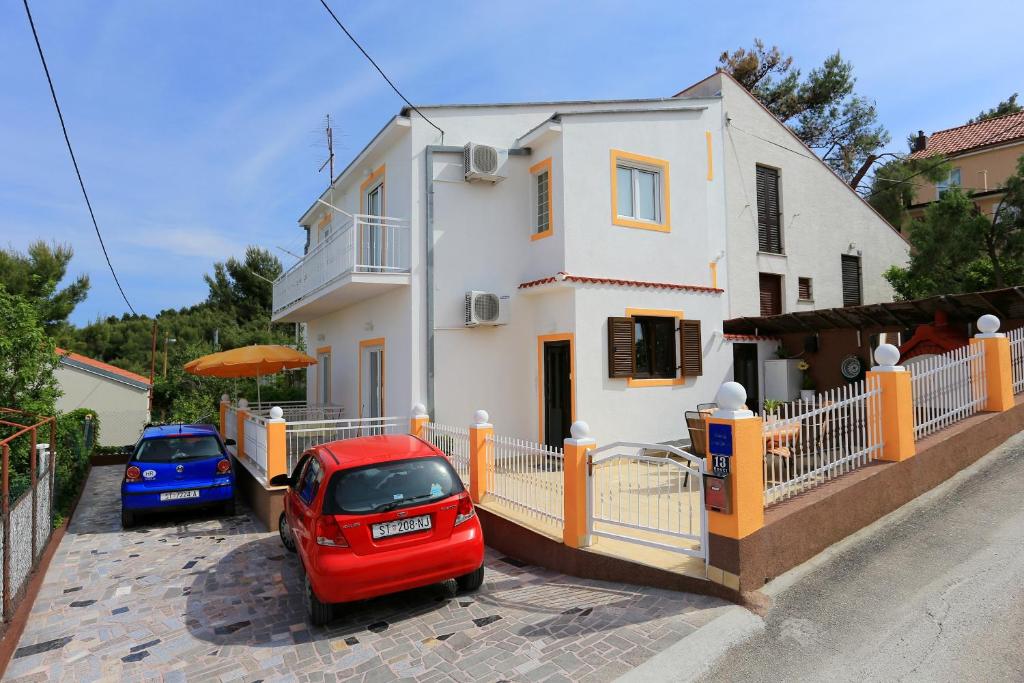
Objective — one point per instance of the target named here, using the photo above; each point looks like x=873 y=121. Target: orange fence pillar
x=575 y=530
x=225 y=403
x=479 y=432
x=243 y=412
x=998 y=365
x=738 y=435
x=277 y=444
x=892 y=413
x=418 y=421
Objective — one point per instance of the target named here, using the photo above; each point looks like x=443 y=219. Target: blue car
x=174 y=467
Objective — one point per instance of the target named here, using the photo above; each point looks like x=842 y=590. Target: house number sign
x=720 y=447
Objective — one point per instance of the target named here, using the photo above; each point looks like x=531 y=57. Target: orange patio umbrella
x=249 y=361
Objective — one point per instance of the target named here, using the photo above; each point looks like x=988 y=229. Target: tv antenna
x=330 y=150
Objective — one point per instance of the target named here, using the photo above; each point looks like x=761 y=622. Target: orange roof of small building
x=970 y=136
x=100 y=365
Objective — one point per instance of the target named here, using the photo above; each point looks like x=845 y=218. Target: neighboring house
x=616 y=236
x=983 y=155
x=120 y=398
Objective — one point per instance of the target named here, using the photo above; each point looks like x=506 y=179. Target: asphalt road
x=935 y=593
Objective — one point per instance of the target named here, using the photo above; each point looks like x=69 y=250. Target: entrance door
x=744 y=370
x=557 y=392
x=372 y=381
x=373 y=230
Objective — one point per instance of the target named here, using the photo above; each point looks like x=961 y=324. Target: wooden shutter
x=769 y=228
x=621 y=351
x=804 y=289
x=851 y=280
x=771 y=294
x=691 y=354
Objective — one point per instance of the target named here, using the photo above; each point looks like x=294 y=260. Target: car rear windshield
x=390 y=485
x=175 y=448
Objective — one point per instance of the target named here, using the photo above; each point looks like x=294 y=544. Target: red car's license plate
x=400 y=526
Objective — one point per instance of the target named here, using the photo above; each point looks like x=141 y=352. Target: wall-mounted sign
x=720 y=438
x=720 y=464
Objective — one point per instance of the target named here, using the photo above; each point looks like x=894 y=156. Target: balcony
x=363 y=257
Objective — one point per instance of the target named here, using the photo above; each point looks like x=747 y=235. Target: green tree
x=894 y=182
x=956 y=249
x=36 y=276
x=821 y=109
x=1007 y=106
x=244 y=288
x=27 y=358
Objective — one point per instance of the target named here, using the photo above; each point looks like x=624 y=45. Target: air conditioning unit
x=483 y=162
x=485 y=308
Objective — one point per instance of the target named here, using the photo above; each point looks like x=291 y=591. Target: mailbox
x=717 y=493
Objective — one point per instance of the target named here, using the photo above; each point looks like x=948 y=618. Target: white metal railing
x=300 y=411
x=362 y=244
x=255 y=433
x=231 y=423
x=300 y=436
x=805 y=447
x=454 y=442
x=648 y=494
x=947 y=388
x=1017 y=358
x=529 y=477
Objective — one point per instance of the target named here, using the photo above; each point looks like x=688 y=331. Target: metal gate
x=650 y=494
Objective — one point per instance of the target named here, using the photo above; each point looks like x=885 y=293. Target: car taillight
x=223 y=467
x=329 y=533
x=133 y=473
x=466 y=511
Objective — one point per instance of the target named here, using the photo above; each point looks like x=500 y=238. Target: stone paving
x=199 y=598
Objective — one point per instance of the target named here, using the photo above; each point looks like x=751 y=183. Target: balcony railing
x=362 y=244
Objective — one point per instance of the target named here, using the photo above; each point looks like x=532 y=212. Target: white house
x=615 y=238
x=119 y=397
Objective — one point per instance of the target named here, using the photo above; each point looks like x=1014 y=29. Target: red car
x=377 y=515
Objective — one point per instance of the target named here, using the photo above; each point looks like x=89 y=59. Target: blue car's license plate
x=179 y=495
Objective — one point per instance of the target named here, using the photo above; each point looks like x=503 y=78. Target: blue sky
x=196 y=123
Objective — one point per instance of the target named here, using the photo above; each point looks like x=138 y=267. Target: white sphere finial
x=731 y=396
x=419 y=410
x=243 y=404
x=580 y=430
x=887 y=355
x=224 y=398
x=276 y=413
x=481 y=417
x=988 y=324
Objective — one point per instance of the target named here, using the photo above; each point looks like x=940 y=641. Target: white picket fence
x=805 y=446
x=300 y=436
x=528 y=477
x=454 y=442
x=947 y=388
x=255 y=431
x=1017 y=358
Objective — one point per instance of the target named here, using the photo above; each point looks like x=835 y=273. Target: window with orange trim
x=540 y=189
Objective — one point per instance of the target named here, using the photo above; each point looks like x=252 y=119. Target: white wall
x=123 y=410
x=821 y=215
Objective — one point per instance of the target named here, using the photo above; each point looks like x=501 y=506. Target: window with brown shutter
x=621 y=347
x=851 y=280
x=690 y=351
x=769 y=224
x=771 y=293
x=804 y=290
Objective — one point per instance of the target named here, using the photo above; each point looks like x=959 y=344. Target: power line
x=67 y=140
x=379 y=70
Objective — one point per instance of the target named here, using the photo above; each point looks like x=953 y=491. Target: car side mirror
x=280 y=480
x=229 y=442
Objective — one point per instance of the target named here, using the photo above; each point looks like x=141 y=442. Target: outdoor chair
x=696 y=425
x=701 y=407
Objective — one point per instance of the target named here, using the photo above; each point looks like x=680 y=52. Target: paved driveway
x=206 y=599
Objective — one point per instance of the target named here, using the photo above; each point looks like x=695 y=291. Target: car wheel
x=287 y=540
x=471 y=581
x=229 y=508
x=319 y=612
x=127 y=519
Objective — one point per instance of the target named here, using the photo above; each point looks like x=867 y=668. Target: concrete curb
x=694 y=655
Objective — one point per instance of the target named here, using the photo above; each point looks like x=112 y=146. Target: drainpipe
x=428 y=232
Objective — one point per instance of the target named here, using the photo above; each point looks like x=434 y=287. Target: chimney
x=920 y=142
